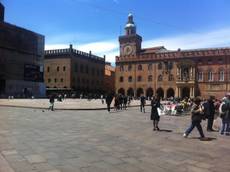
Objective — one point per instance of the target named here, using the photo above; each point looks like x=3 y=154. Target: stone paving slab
x=33 y=140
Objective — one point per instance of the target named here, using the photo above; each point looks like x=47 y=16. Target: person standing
x=142 y=105
x=51 y=100
x=196 y=118
x=209 y=112
x=225 y=116
x=125 y=100
x=109 y=99
x=155 y=104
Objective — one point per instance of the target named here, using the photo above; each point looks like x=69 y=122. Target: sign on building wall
x=32 y=73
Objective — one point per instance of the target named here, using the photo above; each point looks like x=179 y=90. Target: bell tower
x=130 y=43
x=2 y=9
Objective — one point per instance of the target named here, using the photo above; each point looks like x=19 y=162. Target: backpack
x=223 y=109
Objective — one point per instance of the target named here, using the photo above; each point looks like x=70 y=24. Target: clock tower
x=130 y=43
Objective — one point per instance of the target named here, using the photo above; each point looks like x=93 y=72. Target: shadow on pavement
x=204 y=139
x=164 y=130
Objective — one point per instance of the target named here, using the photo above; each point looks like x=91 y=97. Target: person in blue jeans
x=225 y=116
x=197 y=112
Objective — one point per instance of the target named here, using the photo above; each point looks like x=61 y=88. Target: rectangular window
x=221 y=76
x=200 y=76
x=210 y=76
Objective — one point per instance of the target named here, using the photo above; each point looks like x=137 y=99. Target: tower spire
x=130 y=26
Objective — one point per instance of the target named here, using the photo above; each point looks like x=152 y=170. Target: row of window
x=211 y=61
x=57 y=69
x=86 y=81
x=55 y=80
x=150 y=78
x=210 y=74
x=168 y=66
x=85 y=69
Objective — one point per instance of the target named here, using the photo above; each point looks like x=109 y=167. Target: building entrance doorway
x=170 y=93
x=139 y=92
x=160 y=93
x=149 y=92
x=185 y=92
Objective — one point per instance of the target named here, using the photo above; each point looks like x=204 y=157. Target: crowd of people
x=199 y=109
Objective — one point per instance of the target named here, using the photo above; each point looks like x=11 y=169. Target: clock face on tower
x=128 y=49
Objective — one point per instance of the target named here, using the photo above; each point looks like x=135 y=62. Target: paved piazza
x=33 y=140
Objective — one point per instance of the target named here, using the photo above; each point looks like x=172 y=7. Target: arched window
x=62 y=80
x=160 y=78
x=221 y=75
x=210 y=75
x=130 y=67
x=160 y=65
x=64 y=68
x=121 y=79
x=150 y=78
x=171 y=78
x=139 y=67
x=139 y=78
x=170 y=65
x=48 y=69
x=200 y=76
x=150 y=67
x=55 y=80
x=58 y=68
x=49 y=80
x=130 y=79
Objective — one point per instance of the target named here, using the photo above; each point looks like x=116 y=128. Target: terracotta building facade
x=21 y=61
x=109 y=78
x=70 y=70
x=166 y=73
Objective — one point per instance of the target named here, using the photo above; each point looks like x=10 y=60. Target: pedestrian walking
x=209 y=112
x=197 y=113
x=225 y=116
x=142 y=103
x=155 y=117
x=109 y=99
x=52 y=100
x=125 y=100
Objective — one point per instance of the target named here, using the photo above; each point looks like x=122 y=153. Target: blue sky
x=96 y=24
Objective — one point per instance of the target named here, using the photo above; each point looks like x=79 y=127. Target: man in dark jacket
x=109 y=99
x=209 y=111
x=196 y=118
x=142 y=105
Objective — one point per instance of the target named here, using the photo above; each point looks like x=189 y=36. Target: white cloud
x=218 y=38
x=110 y=48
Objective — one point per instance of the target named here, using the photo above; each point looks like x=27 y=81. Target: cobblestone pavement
x=66 y=104
x=98 y=141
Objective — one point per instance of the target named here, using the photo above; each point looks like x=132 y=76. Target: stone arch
x=130 y=92
x=121 y=91
x=139 y=92
x=160 y=92
x=170 y=92
x=185 y=92
x=149 y=92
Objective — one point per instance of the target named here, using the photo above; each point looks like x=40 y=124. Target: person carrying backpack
x=224 y=110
